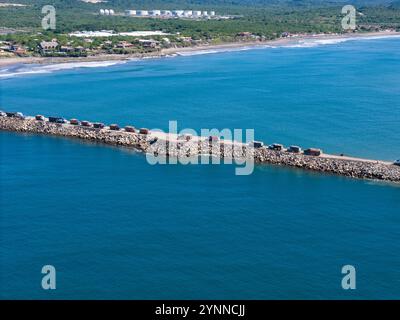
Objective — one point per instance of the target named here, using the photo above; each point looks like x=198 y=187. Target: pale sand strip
x=172 y=51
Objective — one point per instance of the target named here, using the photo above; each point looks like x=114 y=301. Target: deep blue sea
x=115 y=227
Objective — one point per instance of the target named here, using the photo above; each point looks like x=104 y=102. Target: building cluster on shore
x=93 y=43
x=53 y=47
x=188 y=146
x=168 y=14
x=191 y=14
x=8 y=48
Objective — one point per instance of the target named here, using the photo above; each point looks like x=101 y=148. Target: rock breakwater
x=172 y=146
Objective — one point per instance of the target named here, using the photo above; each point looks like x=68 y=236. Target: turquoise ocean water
x=116 y=227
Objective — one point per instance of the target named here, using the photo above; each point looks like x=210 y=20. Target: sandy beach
x=186 y=50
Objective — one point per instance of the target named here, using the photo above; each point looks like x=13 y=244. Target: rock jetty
x=186 y=146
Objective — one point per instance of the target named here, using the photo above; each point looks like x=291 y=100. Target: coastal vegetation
x=253 y=20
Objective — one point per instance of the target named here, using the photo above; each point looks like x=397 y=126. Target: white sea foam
x=222 y=50
x=303 y=43
x=26 y=69
x=39 y=69
x=195 y=53
x=311 y=43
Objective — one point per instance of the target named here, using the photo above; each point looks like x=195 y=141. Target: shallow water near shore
x=116 y=227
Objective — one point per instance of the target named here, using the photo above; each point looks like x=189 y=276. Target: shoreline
x=283 y=42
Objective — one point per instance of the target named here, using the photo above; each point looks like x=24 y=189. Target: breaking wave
x=28 y=69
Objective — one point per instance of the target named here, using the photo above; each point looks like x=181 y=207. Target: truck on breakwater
x=172 y=145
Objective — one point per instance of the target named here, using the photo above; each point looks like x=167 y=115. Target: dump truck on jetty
x=57 y=120
x=98 y=125
x=276 y=147
x=130 y=129
x=313 y=152
x=114 y=127
x=256 y=144
x=85 y=123
x=294 y=149
x=18 y=115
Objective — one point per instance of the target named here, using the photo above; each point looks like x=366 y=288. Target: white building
x=130 y=12
x=178 y=13
x=155 y=13
x=164 y=13
x=107 y=12
x=196 y=13
x=142 y=13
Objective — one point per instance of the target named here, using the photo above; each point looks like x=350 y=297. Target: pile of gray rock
x=196 y=147
x=351 y=168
